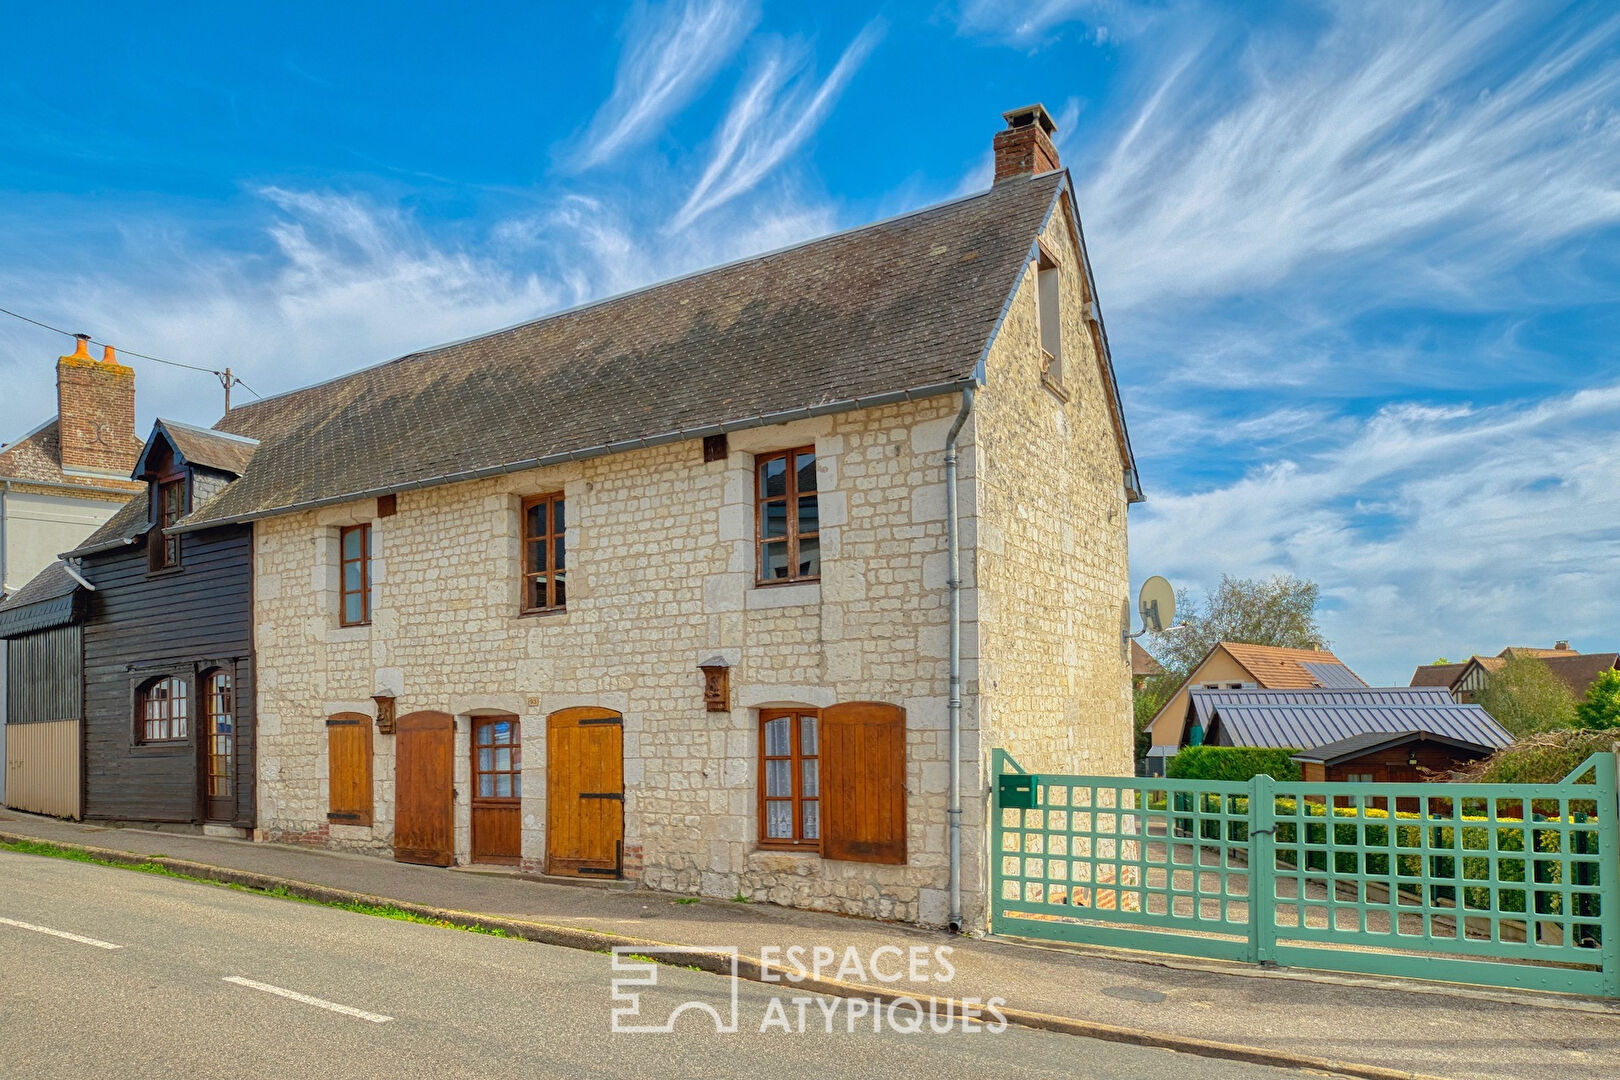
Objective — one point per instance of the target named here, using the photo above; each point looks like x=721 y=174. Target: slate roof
x=210 y=449
x=1203 y=703
x=900 y=309
x=1370 y=741
x=1306 y=726
x=123 y=527
x=46 y=600
x=37 y=457
x=1284 y=669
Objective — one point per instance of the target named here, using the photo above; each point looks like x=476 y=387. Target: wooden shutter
x=863 y=782
x=348 y=749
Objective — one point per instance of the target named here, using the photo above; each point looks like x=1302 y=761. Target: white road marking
x=61 y=934
x=346 y=1010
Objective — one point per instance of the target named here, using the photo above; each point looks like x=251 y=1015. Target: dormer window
x=1047 y=282
x=171 y=507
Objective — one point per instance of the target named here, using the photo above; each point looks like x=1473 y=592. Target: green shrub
x=1236 y=763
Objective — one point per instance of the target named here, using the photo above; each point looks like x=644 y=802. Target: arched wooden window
x=165 y=710
x=219 y=717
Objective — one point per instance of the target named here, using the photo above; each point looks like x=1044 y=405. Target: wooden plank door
x=585 y=792
x=424 y=756
x=497 y=799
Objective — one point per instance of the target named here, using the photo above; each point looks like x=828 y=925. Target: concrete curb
x=720 y=963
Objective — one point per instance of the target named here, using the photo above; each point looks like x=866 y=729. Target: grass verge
x=381 y=911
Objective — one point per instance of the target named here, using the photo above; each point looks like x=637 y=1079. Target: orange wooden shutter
x=348 y=748
x=863 y=782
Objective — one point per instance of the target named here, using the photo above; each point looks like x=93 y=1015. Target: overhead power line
x=226 y=378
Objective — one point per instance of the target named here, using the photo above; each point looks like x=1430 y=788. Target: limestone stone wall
x=1053 y=680
x=660 y=550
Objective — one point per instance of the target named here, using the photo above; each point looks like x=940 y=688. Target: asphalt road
x=210 y=982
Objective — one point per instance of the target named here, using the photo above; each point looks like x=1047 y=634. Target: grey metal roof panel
x=1303 y=727
x=1204 y=702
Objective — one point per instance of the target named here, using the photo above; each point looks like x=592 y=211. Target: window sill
x=777 y=594
x=788 y=849
x=1054 y=387
x=165 y=571
x=542 y=613
x=336 y=635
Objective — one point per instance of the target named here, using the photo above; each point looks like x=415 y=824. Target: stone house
x=663 y=587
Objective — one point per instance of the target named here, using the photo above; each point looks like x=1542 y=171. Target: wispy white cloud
x=1431 y=530
x=1446 y=141
x=671 y=54
x=1025 y=24
x=779 y=106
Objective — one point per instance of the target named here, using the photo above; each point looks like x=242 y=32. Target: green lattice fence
x=1498 y=884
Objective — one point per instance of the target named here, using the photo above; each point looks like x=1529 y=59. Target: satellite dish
x=1157 y=604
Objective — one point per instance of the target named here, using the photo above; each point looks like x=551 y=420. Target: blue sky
x=1360 y=261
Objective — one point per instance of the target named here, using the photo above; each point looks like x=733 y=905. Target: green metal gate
x=1495 y=884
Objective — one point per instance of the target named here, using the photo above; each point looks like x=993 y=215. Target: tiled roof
x=37 y=457
x=1580 y=670
x=903 y=308
x=1142 y=662
x=1284 y=669
x=1438 y=674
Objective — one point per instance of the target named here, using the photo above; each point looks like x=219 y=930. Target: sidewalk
x=1407 y=1027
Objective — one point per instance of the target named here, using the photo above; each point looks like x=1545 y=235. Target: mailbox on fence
x=1018 y=790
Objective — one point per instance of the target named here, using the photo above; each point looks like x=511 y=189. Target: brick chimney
x=1025 y=147
x=95 y=409
x=1561 y=646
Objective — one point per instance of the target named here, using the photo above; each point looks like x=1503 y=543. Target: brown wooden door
x=585 y=792
x=218 y=744
x=497 y=799
x=424 y=755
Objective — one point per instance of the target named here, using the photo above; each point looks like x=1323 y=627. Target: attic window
x=170 y=498
x=1047 y=281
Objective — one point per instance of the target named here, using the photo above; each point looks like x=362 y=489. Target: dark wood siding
x=43 y=676
x=145 y=625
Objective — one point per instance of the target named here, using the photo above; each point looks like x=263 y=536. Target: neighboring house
x=1143 y=666
x=663 y=587
x=61 y=480
x=166 y=653
x=1466 y=680
x=1367 y=734
x=1232 y=665
x=42 y=638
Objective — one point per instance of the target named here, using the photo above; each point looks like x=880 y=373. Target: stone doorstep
x=517 y=874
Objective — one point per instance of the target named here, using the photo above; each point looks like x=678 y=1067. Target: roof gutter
x=782 y=416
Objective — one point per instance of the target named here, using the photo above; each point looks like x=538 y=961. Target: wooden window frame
x=480 y=723
x=797 y=757
x=164 y=551
x=142 y=719
x=790 y=500
x=211 y=696
x=364 y=561
x=552 y=574
x=1051 y=362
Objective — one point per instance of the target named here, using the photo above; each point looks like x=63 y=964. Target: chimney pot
x=1025 y=147
x=81 y=350
x=108 y=356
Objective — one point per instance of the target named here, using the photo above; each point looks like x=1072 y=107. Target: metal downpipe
x=954 y=582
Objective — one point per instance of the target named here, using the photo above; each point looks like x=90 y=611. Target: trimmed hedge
x=1236 y=763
